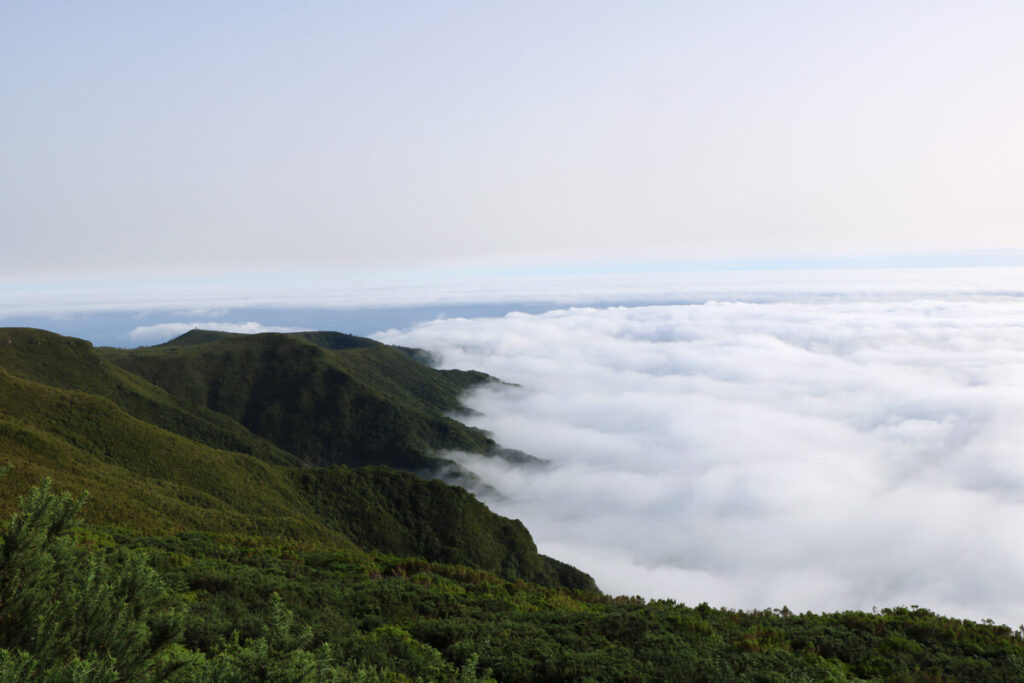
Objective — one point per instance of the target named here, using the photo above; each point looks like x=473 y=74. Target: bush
x=70 y=615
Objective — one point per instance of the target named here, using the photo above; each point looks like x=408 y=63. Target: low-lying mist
x=823 y=456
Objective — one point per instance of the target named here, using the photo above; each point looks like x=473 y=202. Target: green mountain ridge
x=74 y=364
x=328 y=398
x=161 y=461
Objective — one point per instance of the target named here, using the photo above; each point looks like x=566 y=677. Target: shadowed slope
x=142 y=476
x=70 y=363
x=400 y=514
x=63 y=414
x=325 y=397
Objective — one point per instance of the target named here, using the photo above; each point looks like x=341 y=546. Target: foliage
x=397 y=513
x=259 y=609
x=64 y=615
x=324 y=397
x=410 y=618
x=67 y=363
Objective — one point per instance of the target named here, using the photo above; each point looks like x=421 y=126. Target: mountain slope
x=324 y=397
x=399 y=514
x=151 y=479
x=142 y=476
x=70 y=363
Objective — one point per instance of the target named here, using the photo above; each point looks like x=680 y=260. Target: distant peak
x=323 y=339
x=197 y=336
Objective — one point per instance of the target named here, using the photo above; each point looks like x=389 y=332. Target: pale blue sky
x=187 y=137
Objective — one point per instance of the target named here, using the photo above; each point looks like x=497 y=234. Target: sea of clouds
x=821 y=439
x=821 y=454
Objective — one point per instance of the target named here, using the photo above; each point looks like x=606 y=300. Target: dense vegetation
x=328 y=397
x=151 y=479
x=206 y=551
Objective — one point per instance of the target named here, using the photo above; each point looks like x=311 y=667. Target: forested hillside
x=158 y=463
x=228 y=535
x=330 y=399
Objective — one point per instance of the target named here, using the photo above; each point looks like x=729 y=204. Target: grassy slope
x=141 y=476
x=392 y=511
x=325 y=397
x=70 y=363
x=147 y=478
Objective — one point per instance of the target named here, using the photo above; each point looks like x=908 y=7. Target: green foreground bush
x=72 y=614
x=99 y=604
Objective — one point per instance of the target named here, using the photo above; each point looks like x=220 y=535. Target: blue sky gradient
x=197 y=139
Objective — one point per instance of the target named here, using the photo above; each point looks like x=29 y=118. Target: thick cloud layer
x=822 y=456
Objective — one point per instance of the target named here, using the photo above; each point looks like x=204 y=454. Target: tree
x=68 y=614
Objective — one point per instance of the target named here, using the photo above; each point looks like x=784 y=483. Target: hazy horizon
x=131 y=312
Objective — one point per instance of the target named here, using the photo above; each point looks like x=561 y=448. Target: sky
x=371 y=140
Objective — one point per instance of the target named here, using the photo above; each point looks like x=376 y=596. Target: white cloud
x=156 y=334
x=445 y=287
x=825 y=456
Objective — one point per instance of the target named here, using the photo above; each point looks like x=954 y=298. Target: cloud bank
x=156 y=334
x=599 y=285
x=824 y=456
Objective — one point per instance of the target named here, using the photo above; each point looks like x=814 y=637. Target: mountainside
x=325 y=397
x=68 y=363
x=388 y=510
x=160 y=462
